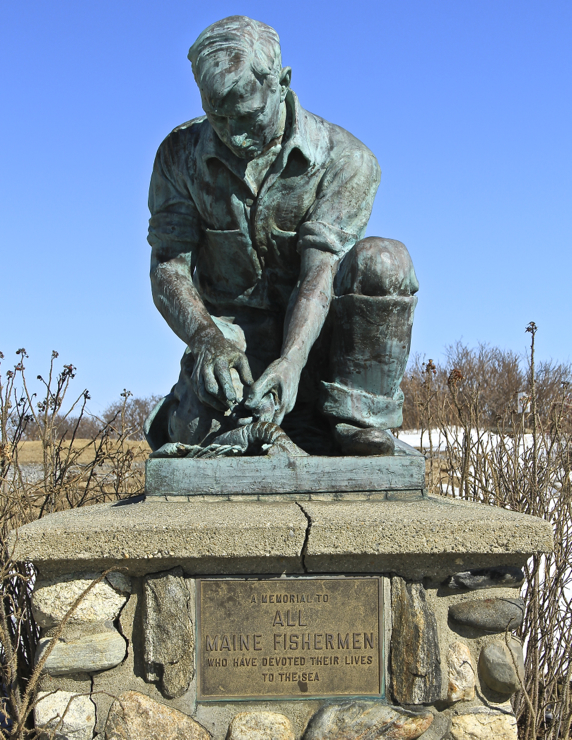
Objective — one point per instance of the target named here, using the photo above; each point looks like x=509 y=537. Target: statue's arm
x=333 y=225
x=175 y=232
x=307 y=311
x=212 y=356
x=178 y=301
x=309 y=305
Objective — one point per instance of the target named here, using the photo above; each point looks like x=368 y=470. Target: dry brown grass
x=31 y=452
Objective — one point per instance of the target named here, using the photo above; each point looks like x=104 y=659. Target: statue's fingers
x=262 y=386
x=283 y=405
x=243 y=369
x=280 y=410
x=222 y=374
x=266 y=409
x=207 y=390
x=265 y=412
x=210 y=381
x=207 y=400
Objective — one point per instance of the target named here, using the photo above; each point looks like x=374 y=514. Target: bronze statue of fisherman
x=259 y=264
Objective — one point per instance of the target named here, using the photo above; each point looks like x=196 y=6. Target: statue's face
x=247 y=117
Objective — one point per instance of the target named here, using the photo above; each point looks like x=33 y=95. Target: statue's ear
x=285 y=78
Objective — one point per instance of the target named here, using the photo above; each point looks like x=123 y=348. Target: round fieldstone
x=502 y=666
x=134 y=716
x=260 y=726
x=356 y=719
x=84 y=654
x=78 y=714
x=492 y=615
x=53 y=597
x=483 y=726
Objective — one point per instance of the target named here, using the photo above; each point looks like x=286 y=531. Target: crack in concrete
x=304 y=550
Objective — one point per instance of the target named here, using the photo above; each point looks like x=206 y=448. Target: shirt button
x=249 y=202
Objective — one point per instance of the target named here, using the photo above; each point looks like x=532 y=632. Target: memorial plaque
x=289 y=638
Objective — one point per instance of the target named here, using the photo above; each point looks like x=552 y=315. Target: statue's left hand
x=280 y=380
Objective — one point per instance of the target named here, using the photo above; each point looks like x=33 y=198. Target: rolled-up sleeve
x=175 y=224
x=339 y=216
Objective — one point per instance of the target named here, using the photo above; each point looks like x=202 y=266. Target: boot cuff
x=360 y=407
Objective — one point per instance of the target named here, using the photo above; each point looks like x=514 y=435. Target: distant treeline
x=494 y=383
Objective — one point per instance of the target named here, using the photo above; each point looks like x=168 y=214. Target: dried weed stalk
x=499 y=432
x=71 y=471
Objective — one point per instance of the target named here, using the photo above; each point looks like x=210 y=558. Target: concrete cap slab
x=413 y=538
x=145 y=537
x=430 y=536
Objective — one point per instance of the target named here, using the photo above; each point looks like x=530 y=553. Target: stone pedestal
x=448 y=574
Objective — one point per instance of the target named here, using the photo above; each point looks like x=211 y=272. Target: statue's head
x=238 y=67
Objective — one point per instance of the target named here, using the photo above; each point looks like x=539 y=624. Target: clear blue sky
x=467 y=105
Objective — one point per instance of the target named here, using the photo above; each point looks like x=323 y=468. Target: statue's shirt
x=243 y=247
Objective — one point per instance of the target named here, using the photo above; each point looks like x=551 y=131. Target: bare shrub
x=487 y=445
x=128 y=413
x=78 y=465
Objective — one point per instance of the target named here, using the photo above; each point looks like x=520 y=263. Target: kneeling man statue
x=297 y=327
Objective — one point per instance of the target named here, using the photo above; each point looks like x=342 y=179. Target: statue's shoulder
x=184 y=138
x=194 y=127
x=329 y=141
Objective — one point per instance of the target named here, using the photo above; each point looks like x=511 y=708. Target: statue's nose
x=239 y=140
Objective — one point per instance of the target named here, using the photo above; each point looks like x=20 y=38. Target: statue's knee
x=377 y=267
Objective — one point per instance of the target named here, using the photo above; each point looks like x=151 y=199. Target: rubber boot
x=371 y=339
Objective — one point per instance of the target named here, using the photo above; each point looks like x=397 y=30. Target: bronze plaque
x=289 y=638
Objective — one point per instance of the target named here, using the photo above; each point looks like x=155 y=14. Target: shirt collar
x=296 y=137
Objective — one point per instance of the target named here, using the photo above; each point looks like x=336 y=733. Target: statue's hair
x=223 y=50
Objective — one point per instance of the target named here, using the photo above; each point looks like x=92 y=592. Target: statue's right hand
x=213 y=357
